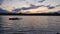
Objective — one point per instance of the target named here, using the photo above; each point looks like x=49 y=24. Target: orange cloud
x=7 y=8
x=40 y=10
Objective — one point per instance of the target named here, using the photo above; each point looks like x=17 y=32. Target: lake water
x=30 y=25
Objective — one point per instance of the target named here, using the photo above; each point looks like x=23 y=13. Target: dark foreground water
x=30 y=25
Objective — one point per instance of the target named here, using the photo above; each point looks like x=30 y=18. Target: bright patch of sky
x=13 y=4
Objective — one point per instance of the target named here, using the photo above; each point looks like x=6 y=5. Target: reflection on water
x=30 y=25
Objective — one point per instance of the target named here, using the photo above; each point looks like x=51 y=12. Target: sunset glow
x=10 y=5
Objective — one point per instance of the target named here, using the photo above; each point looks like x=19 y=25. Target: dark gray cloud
x=19 y=9
x=41 y=1
x=25 y=8
x=16 y=10
x=3 y=11
x=1 y=1
x=57 y=5
x=33 y=7
x=50 y=7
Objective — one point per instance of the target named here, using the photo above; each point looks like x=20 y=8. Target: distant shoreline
x=36 y=14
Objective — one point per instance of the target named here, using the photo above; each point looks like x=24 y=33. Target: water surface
x=30 y=25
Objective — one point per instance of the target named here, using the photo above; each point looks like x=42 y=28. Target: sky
x=10 y=5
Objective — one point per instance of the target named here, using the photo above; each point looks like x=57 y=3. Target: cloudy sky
x=10 y=5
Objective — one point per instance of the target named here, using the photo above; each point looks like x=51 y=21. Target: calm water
x=30 y=25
